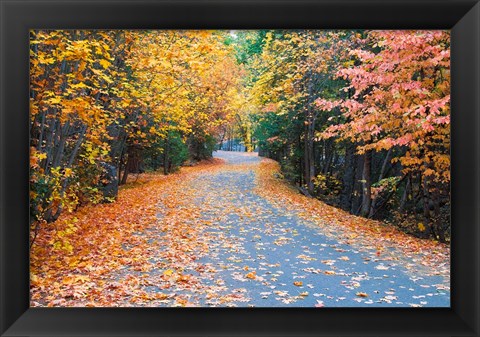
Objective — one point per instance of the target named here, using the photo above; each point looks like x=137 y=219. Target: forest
x=240 y=168
x=357 y=119
x=361 y=120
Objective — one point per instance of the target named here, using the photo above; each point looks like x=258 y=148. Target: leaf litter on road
x=229 y=233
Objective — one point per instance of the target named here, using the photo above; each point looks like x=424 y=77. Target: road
x=249 y=251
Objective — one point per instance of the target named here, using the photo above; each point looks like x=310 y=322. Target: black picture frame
x=17 y=17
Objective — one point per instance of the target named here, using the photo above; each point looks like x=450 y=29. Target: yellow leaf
x=68 y=172
x=104 y=63
x=421 y=226
x=33 y=278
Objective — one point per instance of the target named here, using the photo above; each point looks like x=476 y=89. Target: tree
x=111 y=98
x=400 y=85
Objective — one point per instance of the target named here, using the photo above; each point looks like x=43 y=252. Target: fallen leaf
x=168 y=272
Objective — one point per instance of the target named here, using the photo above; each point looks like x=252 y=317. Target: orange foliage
x=353 y=230
x=75 y=259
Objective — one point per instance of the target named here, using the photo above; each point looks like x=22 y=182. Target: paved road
x=262 y=255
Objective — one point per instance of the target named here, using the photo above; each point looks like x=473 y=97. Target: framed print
x=239 y=168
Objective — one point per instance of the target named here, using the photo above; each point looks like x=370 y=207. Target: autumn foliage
x=105 y=104
x=362 y=120
x=357 y=123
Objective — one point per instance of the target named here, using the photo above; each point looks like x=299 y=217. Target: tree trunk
x=78 y=143
x=131 y=164
x=357 y=186
x=222 y=139
x=426 y=208
x=406 y=193
x=125 y=171
x=366 y=184
x=42 y=128
x=62 y=139
x=166 y=158
x=348 y=178
x=329 y=156
x=386 y=161
x=311 y=161
x=306 y=157
x=120 y=165
x=439 y=228
x=380 y=177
